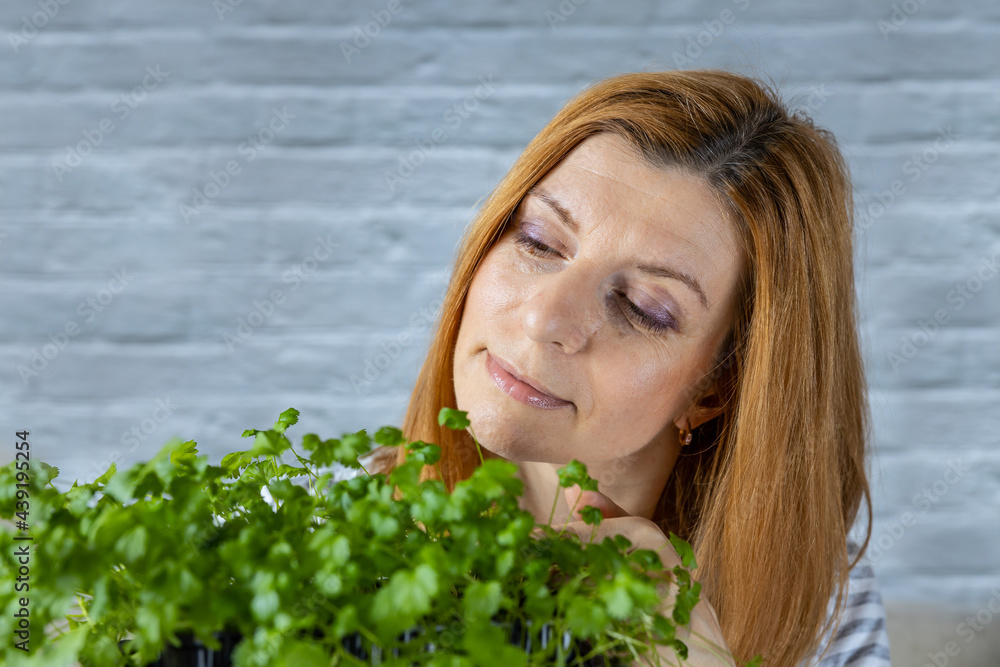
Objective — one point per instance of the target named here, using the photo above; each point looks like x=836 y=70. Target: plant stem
x=478 y=448
x=555 y=501
x=630 y=642
x=710 y=645
x=571 y=510
x=305 y=466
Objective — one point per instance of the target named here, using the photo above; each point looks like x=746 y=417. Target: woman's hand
x=703 y=636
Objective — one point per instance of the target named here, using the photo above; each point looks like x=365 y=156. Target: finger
x=580 y=499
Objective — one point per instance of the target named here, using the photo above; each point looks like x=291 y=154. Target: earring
x=685 y=436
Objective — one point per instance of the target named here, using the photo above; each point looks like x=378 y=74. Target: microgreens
x=309 y=572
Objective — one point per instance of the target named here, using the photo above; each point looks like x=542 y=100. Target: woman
x=662 y=288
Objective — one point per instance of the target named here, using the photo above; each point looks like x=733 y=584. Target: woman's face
x=619 y=377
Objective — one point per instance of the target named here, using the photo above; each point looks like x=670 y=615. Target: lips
x=524 y=390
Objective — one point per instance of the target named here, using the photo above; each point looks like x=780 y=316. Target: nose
x=564 y=308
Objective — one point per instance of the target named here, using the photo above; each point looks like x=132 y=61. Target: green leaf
x=482 y=599
x=286 y=419
x=684 y=550
x=234 y=462
x=647 y=559
x=585 y=618
x=121 y=485
x=149 y=625
x=265 y=605
x=681 y=649
x=79 y=498
x=103 y=651
x=423 y=452
x=453 y=419
x=384 y=526
x=404 y=599
x=132 y=545
x=346 y=621
x=617 y=599
x=591 y=515
x=431 y=503
x=348 y=448
x=185 y=454
x=495 y=478
x=517 y=531
x=298 y=653
x=406 y=475
x=538 y=599
x=575 y=472
x=329 y=583
x=103 y=479
x=269 y=443
x=685 y=601
x=505 y=562
x=621 y=542
x=63 y=652
x=333 y=549
x=443 y=660
x=664 y=630
x=487 y=645
x=310 y=441
x=389 y=436
x=44 y=473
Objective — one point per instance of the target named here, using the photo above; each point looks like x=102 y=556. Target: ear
x=707 y=407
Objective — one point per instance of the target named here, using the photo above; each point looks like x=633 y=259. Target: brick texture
x=172 y=174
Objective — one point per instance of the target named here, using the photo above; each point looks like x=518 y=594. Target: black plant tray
x=193 y=653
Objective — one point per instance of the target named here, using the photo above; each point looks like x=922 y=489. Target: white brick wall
x=361 y=266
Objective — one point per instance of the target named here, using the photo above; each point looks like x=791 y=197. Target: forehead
x=612 y=166
x=613 y=194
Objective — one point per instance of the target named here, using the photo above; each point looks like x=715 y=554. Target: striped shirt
x=861 y=640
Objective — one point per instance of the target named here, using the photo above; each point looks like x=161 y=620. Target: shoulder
x=861 y=639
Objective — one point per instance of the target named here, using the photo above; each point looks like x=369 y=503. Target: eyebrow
x=653 y=270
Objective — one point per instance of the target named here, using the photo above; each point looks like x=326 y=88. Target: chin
x=499 y=432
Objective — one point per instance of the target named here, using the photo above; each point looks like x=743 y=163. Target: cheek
x=495 y=289
x=641 y=390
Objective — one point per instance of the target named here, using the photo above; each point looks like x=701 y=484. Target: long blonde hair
x=775 y=483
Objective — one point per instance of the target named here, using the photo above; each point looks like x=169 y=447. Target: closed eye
x=645 y=318
x=535 y=247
